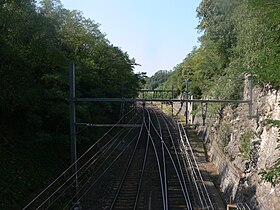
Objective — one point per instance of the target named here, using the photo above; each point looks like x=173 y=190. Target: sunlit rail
x=156 y=149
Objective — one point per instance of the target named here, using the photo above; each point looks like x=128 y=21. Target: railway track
x=143 y=167
x=177 y=196
x=154 y=177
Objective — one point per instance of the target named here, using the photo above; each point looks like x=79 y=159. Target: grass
x=197 y=144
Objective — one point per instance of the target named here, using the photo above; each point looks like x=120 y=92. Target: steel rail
x=189 y=165
x=68 y=169
x=108 y=149
x=199 y=174
x=243 y=206
x=174 y=165
x=100 y=176
x=80 y=180
x=168 y=121
x=186 y=198
x=71 y=166
x=128 y=166
x=98 y=169
x=158 y=162
x=195 y=172
x=73 y=175
x=143 y=169
x=178 y=160
x=198 y=171
x=111 y=145
x=189 y=178
x=163 y=161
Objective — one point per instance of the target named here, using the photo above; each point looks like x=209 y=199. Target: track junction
x=148 y=164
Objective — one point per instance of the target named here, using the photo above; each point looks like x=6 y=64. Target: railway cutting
x=147 y=164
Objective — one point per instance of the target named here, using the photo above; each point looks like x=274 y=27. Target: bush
x=246 y=144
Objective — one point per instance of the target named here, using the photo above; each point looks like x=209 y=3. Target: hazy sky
x=157 y=33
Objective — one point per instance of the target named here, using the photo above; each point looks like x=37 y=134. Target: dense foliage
x=238 y=37
x=37 y=44
x=156 y=80
x=38 y=41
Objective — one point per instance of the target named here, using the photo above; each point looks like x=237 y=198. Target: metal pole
x=161 y=102
x=73 y=123
x=250 y=92
x=122 y=103
x=172 y=97
x=187 y=97
x=143 y=98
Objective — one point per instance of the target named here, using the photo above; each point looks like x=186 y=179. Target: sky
x=157 y=33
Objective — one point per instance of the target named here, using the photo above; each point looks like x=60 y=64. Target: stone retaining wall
x=240 y=147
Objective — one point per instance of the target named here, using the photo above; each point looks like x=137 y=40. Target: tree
x=158 y=78
x=257 y=49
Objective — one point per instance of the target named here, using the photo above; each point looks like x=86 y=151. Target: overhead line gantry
x=74 y=99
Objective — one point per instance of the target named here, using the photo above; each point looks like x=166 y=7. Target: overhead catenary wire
x=100 y=176
x=70 y=167
x=179 y=162
x=164 y=162
x=198 y=171
x=128 y=166
x=143 y=169
x=75 y=174
x=102 y=172
x=189 y=166
x=195 y=173
x=187 y=200
x=162 y=150
x=158 y=164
